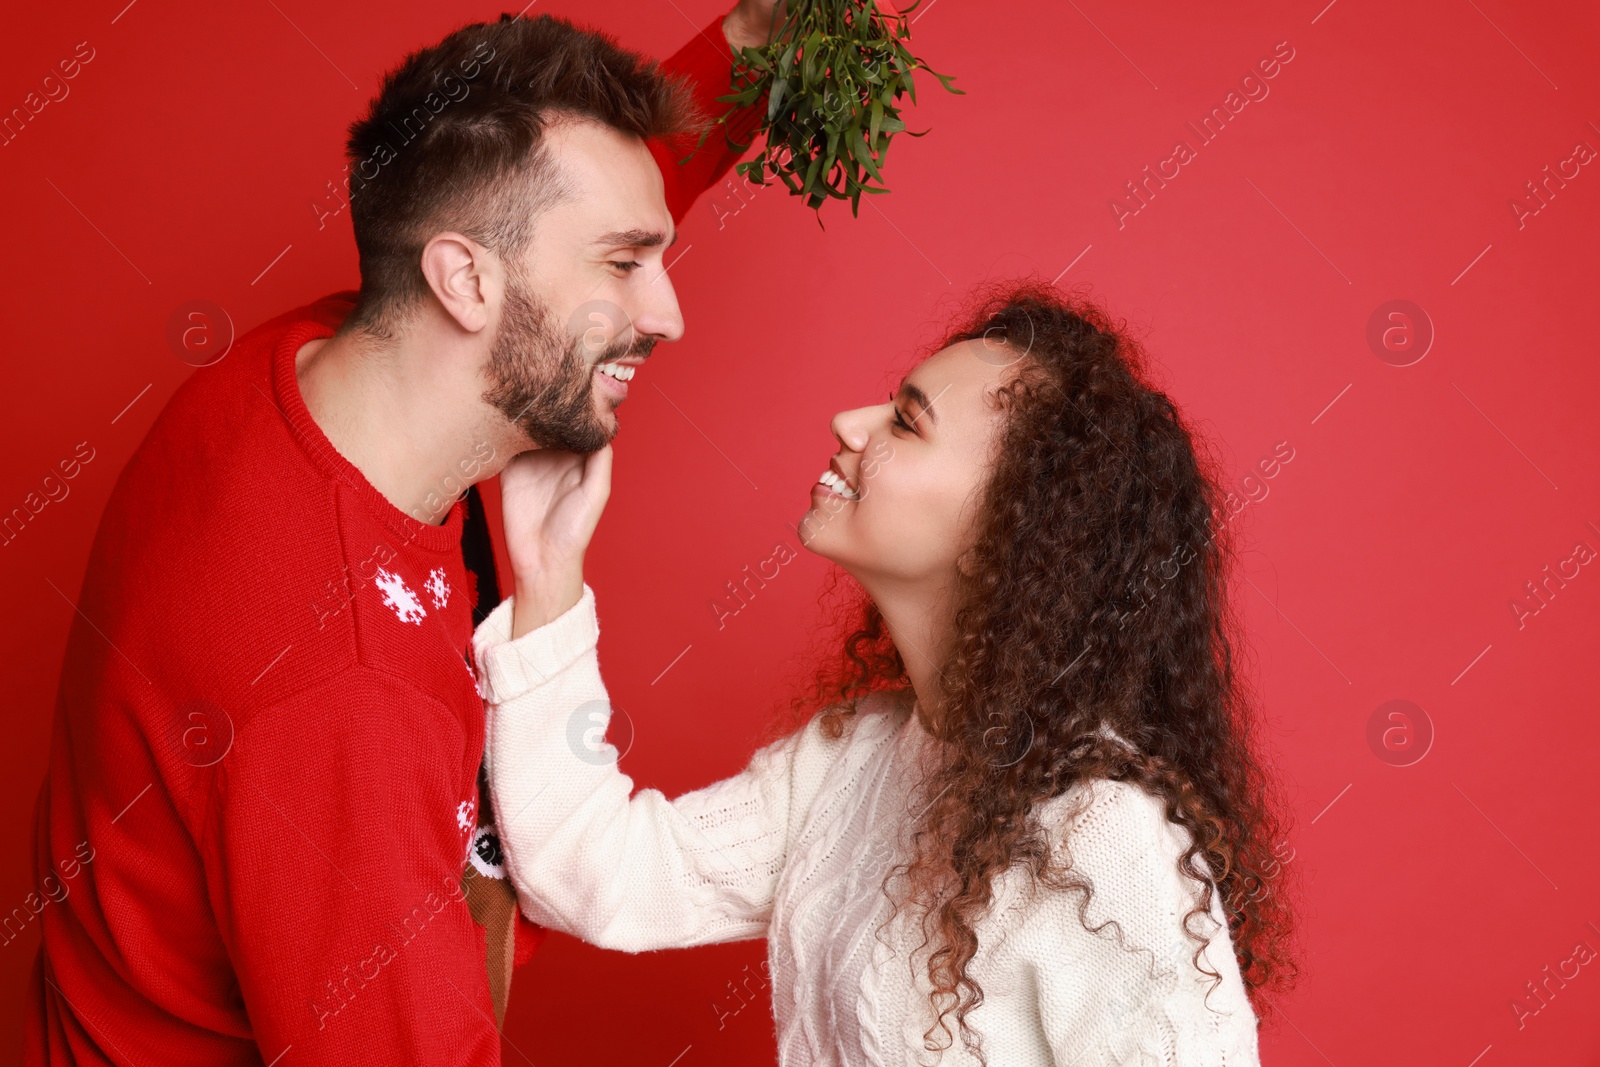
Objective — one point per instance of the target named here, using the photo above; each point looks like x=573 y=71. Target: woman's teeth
x=838 y=485
x=620 y=371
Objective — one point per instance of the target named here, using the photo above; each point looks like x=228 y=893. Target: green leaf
x=863 y=155
x=811 y=174
x=775 y=101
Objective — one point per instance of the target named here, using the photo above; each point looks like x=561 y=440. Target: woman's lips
x=824 y=491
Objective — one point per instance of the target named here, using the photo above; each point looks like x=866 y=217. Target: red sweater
x=263 y=770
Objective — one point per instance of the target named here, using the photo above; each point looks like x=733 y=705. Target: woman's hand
x=550 y=503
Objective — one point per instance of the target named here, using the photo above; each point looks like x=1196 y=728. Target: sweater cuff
x=509 y=668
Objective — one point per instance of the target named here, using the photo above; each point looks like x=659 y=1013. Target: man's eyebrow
x=918 y=397
x=636 y=239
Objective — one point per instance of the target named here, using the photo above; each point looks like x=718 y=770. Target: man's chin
x=605 y=431
x=606 y=416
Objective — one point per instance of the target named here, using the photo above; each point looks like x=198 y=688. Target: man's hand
x=753 y=23
x=551 y=502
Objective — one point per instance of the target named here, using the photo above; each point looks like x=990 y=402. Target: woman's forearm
x=625 y=872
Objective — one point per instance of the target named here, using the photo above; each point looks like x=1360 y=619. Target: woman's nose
x=852 y=428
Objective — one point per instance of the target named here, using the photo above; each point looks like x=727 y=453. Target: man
x=267 y=742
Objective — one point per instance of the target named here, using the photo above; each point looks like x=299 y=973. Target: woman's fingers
x=551 y=502
x=540 y=476
x=597 y=472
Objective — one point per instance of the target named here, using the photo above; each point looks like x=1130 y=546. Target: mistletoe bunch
x=833 y=72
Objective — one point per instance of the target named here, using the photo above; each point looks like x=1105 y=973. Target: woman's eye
x=899 y=419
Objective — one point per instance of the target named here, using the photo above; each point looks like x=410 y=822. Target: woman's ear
x=965 y=564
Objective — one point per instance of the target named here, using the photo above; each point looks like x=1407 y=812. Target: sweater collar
x=443 y=537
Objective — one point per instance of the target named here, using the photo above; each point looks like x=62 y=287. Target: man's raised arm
x=707 y=61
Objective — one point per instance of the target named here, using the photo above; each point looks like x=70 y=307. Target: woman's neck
x=919 y=619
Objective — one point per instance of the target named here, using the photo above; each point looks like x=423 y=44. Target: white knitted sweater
x=795 y=849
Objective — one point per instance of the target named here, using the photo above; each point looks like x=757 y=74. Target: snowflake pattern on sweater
x=398 y=597
x=438 y=587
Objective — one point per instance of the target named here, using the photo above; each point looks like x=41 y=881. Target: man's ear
x=464 y=276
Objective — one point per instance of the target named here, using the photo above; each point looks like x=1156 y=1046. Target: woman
x=1028 y=813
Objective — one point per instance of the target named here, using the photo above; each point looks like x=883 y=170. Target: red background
x=1380 y=565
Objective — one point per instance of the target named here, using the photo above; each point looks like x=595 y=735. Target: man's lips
x=609 y=385
x=614 y=374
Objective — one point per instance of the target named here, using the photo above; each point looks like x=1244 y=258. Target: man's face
x=591 y=297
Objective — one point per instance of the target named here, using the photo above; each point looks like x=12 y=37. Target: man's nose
x=657 y=315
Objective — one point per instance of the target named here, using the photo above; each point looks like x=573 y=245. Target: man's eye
x=627 y=265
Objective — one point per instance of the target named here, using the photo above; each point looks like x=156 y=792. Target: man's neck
x=400 y=421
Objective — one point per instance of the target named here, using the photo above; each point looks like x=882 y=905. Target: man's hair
x=454 y=141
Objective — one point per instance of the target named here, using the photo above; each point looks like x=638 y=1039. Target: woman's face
x=900 y=498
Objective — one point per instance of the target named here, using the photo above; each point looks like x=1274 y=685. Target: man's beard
x=544 y=379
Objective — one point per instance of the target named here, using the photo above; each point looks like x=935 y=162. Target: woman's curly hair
x=1096 y=596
